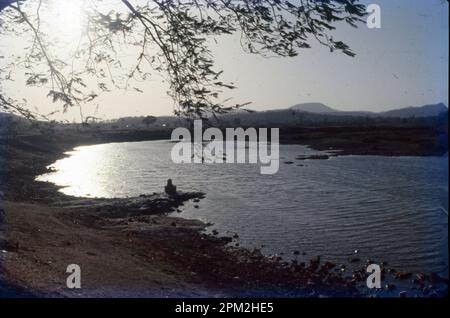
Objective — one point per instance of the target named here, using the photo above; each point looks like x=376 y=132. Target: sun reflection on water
x=78 y=171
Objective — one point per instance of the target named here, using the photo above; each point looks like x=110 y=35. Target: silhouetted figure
x=170 y=188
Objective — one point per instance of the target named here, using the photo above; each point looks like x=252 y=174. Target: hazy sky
x=402 y=64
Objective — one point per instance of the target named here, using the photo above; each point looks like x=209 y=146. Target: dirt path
x=43 y=241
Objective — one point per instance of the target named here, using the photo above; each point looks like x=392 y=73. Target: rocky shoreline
x=131 y=247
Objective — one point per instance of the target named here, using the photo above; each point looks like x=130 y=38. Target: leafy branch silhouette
x=169 y=37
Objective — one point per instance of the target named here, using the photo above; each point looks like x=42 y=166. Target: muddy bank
x=129 y=254
x=383 y=141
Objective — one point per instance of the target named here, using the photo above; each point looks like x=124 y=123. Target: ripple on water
x=388 y=208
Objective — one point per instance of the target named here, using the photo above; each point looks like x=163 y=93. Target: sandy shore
x=129 y=247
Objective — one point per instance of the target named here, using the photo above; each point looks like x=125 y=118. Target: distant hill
x=306 y=115
x=317 y=108
x=407 y=112
x=423 y=111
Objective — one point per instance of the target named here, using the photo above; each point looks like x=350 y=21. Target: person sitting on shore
x=170 y=188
